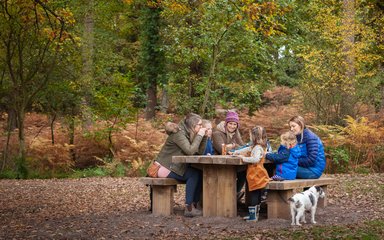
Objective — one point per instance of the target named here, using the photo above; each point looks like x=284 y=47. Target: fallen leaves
x=106 y=208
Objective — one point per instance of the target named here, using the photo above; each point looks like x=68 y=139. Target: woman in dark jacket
x=190 y=139
x=313 y=164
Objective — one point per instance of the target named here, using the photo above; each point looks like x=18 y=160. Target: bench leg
x=323 y=201
x=162 y=200
x=278 y=205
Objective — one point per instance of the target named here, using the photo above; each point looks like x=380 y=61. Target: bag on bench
x=153 y=169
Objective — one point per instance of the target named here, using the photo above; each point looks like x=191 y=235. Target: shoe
x=277 y=178
x=193 y=213
x=253 y=214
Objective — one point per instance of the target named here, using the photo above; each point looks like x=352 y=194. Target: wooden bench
x=280 y=192
x=162 y=190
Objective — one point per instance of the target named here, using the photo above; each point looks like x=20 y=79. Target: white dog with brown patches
x=305 y=201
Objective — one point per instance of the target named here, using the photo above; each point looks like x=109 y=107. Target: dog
x=305 y=201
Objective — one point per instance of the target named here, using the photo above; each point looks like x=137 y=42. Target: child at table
x=286 y=158
x=257 y=175
x=209 y=147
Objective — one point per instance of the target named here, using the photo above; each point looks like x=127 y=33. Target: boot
x=191 y=211
x=253 y=214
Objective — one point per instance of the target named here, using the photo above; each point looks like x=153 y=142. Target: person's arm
x=256 y=155
x=183 y=143
x=312 y=144
x=217 y=140
x=243 y=151
x=280 y=157
x=203 y=145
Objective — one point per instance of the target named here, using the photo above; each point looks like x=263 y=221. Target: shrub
x=358 y=145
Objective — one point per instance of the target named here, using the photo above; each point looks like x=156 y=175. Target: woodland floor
x=117 y=208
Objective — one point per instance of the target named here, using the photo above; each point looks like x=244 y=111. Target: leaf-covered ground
x=117 y=208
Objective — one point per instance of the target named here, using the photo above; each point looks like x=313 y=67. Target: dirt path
x=117 y=208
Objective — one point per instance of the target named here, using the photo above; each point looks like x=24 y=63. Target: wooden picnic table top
x=209 y=159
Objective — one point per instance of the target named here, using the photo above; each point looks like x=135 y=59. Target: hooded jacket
x=221 y=136
x=286 y=161
x=179 y=143
x=313 y=152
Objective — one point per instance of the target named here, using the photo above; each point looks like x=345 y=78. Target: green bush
x=338 y=160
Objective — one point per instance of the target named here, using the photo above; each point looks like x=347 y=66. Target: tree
x=151 y=60
x=217 y=52
x=31 y=36
x=339 y=58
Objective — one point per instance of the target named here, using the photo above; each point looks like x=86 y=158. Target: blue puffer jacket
x=314 y=157
x=286 y=161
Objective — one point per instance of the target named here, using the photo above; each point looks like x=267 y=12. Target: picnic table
x=219 y=182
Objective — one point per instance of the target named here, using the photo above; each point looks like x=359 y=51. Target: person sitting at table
x=286 y=158
x=312 y=163
x=227 y=133
x=257 y=175
x=189 y=139
x=209 y=148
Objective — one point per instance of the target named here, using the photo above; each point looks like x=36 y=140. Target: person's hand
x=202 y=131
x=231 y=146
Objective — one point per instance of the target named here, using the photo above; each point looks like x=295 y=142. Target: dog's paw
x=314 y=222
x=293 y=224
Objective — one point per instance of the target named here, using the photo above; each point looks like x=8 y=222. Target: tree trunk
x=12 y=120
x=211 y=78
x=150 y=112
x=52 y=129
x=152 y=59
x=164 y=101
x=21 y=168
x=87 y=56
x=71 y=131
x=348 y=101
x=6 y=147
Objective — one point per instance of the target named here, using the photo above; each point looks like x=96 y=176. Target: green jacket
x=179 y=144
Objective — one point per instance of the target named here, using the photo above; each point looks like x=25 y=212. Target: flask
x=223 y=149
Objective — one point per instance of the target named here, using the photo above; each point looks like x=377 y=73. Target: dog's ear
x=318 y=189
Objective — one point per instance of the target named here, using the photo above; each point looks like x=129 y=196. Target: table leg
x=219 y=191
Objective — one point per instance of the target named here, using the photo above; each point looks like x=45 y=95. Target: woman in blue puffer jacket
x=312 y=166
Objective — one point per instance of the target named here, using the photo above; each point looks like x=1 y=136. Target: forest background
x=86 y=86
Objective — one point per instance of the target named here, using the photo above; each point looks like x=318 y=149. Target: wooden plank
x=219 y=191
x=162 y=204
x=159 y=181
x=210 y=181
x=204 y=160
x=209 y=159
x=299 y=183
x=323 y=201
x=278 y=205
x=226 y=190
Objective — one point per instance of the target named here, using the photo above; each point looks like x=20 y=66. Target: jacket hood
x=171 y=127
x=221 y=126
